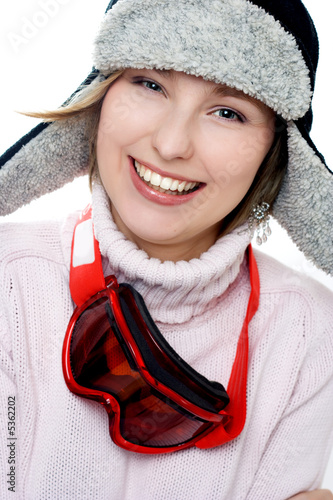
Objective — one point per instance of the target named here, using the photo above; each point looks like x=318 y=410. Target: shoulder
x=49 y=240
x=276 y=277
x=19 y=240
x=295 y=321
x=295 y=298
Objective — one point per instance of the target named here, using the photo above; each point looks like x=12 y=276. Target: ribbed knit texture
x=63 y=446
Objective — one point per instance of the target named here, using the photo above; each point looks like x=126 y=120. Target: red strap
x=236 y=409
x=86 y=273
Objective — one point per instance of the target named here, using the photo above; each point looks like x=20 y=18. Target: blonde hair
x=265 y=186
x=86 y=102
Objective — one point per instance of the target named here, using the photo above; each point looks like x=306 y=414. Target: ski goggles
x=114 y=354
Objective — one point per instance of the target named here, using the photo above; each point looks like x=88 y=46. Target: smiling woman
x=226 y=138
x=202 y=351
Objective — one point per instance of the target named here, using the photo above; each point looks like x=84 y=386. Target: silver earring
x=259 y=223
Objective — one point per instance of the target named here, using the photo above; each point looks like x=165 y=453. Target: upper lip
x=163 y=173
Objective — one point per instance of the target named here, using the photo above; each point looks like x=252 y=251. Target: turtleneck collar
x=173 y=291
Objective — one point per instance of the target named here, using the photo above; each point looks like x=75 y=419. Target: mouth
x=167 y=185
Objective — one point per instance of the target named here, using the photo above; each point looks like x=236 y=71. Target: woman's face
x=176 y=154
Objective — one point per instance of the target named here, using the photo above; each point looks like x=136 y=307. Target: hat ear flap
x=48 y=157
x=304 y=205
x=44 y=160
x=15 y=148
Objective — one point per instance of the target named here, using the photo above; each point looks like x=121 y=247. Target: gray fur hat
x=265 y=48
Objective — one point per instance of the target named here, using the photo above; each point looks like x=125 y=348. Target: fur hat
x=265 y=48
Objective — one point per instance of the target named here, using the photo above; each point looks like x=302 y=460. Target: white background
x=46 y=52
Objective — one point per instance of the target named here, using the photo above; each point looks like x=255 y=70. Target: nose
x=172 y=137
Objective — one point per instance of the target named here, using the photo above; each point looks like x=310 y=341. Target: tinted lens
x=162 y=362
x=101 y=360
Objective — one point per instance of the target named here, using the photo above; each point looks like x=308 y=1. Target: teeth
x=147 y=175
x=163 y=183
x=166 y=183
x=181 y=186
x=174 y=186
x=142 y=171
x=155 y=179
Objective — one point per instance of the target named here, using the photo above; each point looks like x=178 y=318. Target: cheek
x=126 y=117
x=234 y=166
x=116 y=117
x=241 y=157
x=254 y=148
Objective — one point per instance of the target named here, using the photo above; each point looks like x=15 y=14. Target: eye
x=150 y=85
x=228 y=114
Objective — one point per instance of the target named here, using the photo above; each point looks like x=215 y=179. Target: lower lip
x=156 y=196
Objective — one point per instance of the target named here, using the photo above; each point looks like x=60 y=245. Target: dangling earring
x=259 y=221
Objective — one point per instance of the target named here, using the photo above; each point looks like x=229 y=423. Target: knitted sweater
x=63 y=449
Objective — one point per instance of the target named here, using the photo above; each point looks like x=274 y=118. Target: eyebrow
x=225 y=91
x=168 y=73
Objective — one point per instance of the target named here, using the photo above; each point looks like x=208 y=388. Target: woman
x=197 y=118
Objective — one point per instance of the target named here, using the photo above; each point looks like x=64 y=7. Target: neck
x=174 y=251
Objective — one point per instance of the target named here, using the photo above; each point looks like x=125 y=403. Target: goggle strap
x=86 y=276
x=236 y=408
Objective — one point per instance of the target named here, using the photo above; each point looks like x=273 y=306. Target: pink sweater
x=63 y=449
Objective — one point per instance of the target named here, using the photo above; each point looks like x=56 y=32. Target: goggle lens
x=100 y=360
